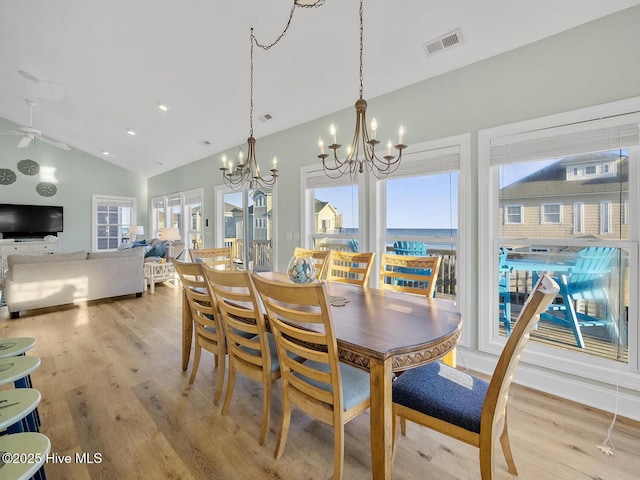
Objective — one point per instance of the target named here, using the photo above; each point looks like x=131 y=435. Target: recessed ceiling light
x=131 y=132
x=163 y=106
x=104 y=152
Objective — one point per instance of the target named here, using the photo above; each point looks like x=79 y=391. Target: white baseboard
x=596 y=395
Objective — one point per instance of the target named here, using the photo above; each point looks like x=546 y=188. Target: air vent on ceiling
x=265 y=117
x=445 y=41
x=205 y=143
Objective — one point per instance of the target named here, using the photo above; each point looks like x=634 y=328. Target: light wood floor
x=112 y=385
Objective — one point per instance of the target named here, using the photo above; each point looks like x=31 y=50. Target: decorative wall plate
x=7 y=176
x=46 y=189
x=28 y=167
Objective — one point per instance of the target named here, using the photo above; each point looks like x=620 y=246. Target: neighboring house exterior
x=328 y=219
x=580 y=196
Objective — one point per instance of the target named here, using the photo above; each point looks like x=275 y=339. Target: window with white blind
x=112 y=219
x=588 y=161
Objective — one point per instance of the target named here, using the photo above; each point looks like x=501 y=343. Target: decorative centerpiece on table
x=302 y=269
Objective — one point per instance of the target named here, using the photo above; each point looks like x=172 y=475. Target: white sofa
x=38 y=281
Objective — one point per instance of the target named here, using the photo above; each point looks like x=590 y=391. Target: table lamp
x=169 y=234
x=134 y=231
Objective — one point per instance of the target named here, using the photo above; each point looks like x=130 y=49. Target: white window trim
x=97 y=198
x=415 y=160
x=543 y=221
x=605 y=217
x=601 y=370
x=307 y=213
x=219 y=192
x=578 y=212
x=507 y=221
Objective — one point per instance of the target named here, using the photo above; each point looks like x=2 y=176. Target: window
x=551 y=213
x=332 y=212
x=625 y=215
x=182 y=210
x=539 y=159
x=513 y=214
x=246 y=224
x=605 y=218
x=426 y=201
x=112 y=218
x=578 y=217
x=434 y=231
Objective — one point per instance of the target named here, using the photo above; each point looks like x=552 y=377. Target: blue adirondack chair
x=414 y=249
x=504 y=283
x=587 y=280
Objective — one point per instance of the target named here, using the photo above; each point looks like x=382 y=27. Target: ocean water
x=436 y=237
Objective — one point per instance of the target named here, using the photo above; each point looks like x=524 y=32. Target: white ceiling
x=103 y=66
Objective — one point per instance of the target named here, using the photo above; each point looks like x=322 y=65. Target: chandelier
x=354 y=163
x=247 y=171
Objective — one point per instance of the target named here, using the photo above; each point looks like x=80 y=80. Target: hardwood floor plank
x=112 y=383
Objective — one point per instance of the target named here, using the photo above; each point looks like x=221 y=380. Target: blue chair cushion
x=273 y=352
x=355 y=383
x=442 y=392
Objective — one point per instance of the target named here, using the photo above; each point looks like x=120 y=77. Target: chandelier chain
x=361 y=154
x=361 y=47
x=251 y=39
x=265 y=46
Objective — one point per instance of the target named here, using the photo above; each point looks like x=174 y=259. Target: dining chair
x=220 y=258
x=252 y=350
x=349 y=267
x=312 y=378
x=320 y=257
x=207 y=327
x=408 y=274
x=467 y=408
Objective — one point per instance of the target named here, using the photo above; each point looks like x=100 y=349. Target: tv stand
x=22 y=247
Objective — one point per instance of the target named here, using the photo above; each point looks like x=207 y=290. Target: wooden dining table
x=381 y=332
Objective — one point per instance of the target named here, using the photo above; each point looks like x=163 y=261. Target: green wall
x=77 y=177
x=589 y=65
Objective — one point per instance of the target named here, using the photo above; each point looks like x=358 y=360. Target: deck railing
x=263 y=260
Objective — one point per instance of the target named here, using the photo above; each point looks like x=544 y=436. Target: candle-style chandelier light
x=247 y=172
x=369 y=161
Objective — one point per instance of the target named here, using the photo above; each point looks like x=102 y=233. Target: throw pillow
x=156 y=251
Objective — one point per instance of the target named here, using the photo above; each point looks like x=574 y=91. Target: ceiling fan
x=30 y=134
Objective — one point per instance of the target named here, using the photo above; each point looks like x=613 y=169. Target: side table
x=155 y=272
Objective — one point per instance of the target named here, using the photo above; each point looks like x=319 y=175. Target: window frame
x=111 y=200
x=578 y=217
x=312 y=177
x=543 y=214
x=508 y=215
x=580 y=124
x=606 y=210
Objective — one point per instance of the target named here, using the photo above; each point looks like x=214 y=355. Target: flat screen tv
x=21 y=221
